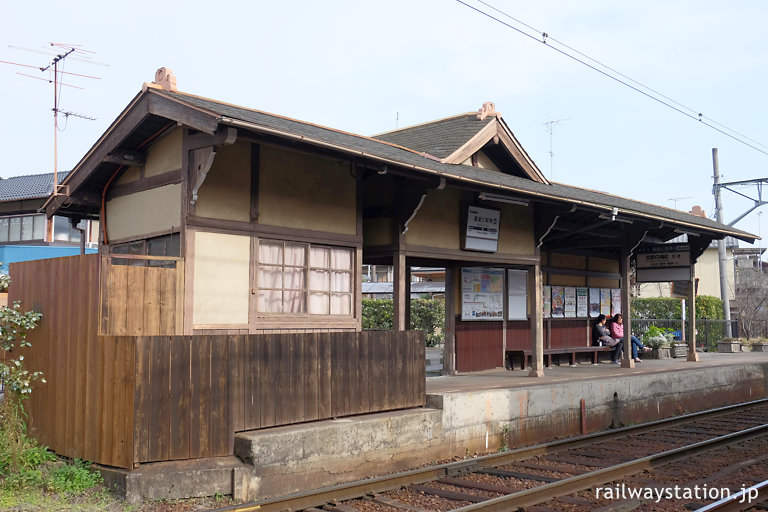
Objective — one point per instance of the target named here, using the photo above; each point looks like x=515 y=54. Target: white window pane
x=4 y=230
x=60 y=229
x=293 y=302
x=295 y=254
x=319 y=280
x=341 y=259
x=293 y=279
x=341 y=304
x=270 y=253
x=15 y=234
x=341 y=282
x=26 y=228
x=38 y=227
x=270 y=301
x=320 y=257
x=318 y=303
x=269 y=277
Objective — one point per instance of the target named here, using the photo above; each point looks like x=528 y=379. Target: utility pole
x=721 y=256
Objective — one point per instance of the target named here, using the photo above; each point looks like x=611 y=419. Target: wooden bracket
x=200 y=162
x=203 y=148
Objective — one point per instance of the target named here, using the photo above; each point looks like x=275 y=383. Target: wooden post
x=626 y=361
x=449 y=348
x=537 y=322
x=399 y=290
x=692 y=355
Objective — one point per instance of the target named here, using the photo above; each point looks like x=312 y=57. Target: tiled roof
x=32 y=186
x=412 y=159
x=439 y=138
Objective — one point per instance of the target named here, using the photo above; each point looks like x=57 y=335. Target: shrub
x=427 y=315
x=670 y=307
x=657 y=337
x=20 y=456
x=72 y=478
x=377 y=314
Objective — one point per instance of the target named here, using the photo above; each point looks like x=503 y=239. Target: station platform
x=480 y=412
x=473 y=414
x=502 y=378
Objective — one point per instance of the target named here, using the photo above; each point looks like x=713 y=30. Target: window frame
x=307 y=288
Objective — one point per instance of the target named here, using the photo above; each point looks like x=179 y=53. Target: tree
x=751 y=300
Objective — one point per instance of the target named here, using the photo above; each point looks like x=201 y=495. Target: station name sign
x=482 y=229
x=663 y=263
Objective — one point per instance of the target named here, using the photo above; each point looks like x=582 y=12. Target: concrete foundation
x=465 y=415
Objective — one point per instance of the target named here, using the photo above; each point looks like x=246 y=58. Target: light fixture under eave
x=502 y=199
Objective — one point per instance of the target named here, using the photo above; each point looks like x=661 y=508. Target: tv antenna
x=550 y=129
x=61 y=52
x=676 y=199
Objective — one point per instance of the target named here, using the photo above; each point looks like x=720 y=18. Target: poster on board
x=546 y=301
x=615 y=301
x=558 y=302
x=482 y=293
x=605 y=301
x=582 y=302
x=594 y=302
x=570 y=302
x=517 y=294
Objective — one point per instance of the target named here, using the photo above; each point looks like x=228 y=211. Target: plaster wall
x=149 y=211
x=165 y=154
x=226 y=191
x=130 y=175
x=303 y=191
x=438 y=224
x=221 y=279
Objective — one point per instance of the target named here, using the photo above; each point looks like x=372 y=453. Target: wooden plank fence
x=126 y=400
x=138 y=300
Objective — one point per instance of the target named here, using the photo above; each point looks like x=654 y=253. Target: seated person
x=601 y=336
x=617 y=331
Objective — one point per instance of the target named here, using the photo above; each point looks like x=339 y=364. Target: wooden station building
x=227 y=293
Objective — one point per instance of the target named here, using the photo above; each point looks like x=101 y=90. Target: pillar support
x=537 y=322
x=692 y=355
x=626 y=360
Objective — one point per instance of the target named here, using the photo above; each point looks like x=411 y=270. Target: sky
x=369 y=67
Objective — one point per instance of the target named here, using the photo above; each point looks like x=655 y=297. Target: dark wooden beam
x=170 y=108
x=126 y=157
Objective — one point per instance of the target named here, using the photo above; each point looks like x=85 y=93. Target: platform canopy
x=428 y=156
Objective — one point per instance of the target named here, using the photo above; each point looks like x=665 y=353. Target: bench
x=525 y=355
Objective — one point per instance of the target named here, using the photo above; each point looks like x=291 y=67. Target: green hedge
x=427 y=315
x=670 y=308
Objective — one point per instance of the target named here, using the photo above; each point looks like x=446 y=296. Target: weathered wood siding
x=122 y=400
x=137 y=300
x=86 y=408
x=194 y=392
x=479 y=346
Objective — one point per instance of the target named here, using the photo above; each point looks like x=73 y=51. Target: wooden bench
x=525 y=355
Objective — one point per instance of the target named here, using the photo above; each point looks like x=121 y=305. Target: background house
x=25 y=232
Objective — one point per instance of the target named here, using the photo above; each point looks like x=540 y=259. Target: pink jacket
x=617 y=330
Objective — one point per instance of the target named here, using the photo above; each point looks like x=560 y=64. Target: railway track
x=689 y=461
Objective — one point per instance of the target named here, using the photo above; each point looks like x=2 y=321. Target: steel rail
x=315 y=498
x=742 y=500
x=537 y=495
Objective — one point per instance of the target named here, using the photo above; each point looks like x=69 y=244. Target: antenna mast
x=55 y=64
x=550 y=129
x=67 y=50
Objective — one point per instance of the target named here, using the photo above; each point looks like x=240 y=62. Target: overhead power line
x=609 y=72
